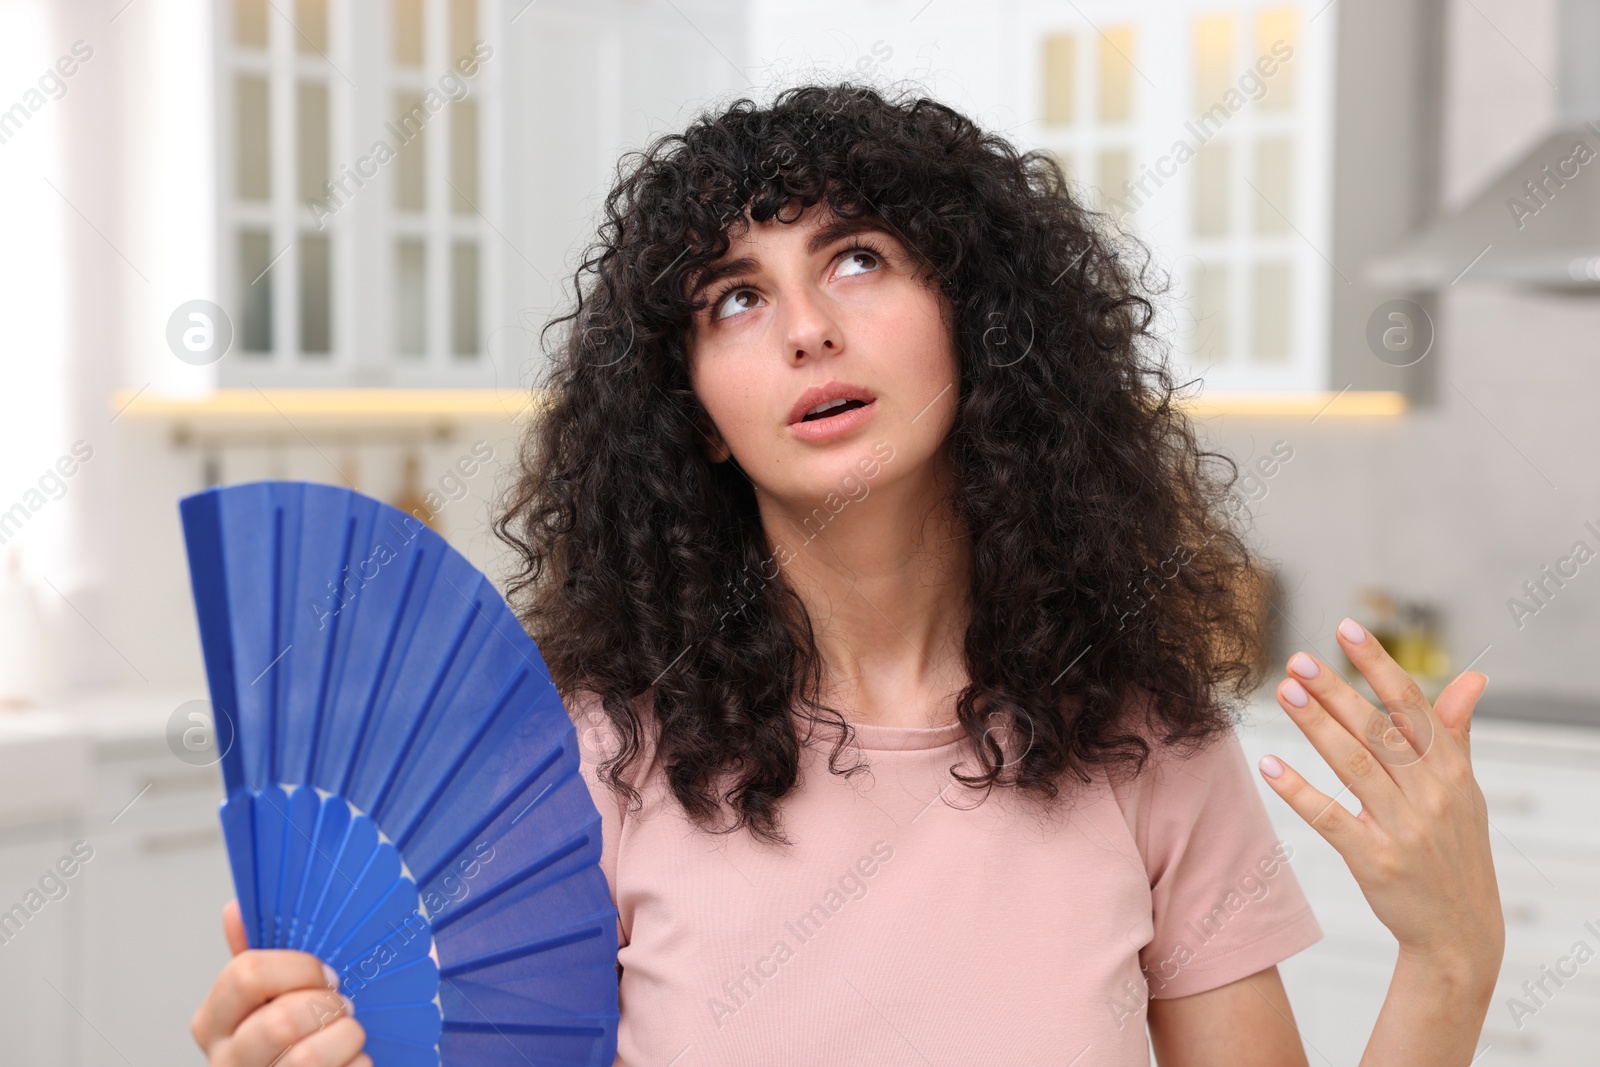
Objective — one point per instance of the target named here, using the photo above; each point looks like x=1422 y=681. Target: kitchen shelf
x=1345 y=404
x=225 y=409
x=229 y=406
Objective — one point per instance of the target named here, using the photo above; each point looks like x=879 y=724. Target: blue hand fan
x=403 y=790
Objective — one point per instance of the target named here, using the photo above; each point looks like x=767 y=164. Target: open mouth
x=838 y=407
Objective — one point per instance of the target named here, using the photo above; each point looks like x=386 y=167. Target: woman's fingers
x=269 y=1001
x=337 y=1043
x=1411 y=732
x=1344 y=831
x=1455 y=706
x=248 y=981
x=317 y=1019
x=233 y=928
x=1378 y=733
x=1341 y=740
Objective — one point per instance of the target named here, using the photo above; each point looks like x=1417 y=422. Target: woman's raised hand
x=275 y=1006
x=1420 y=847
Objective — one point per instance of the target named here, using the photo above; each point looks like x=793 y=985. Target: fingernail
x=349 y=1005
x=1295 y=693
x=330 y=977
x=1271 y=767
x=1352 y=631
x=1303 y=665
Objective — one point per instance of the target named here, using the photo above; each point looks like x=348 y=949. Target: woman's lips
x=834 y=425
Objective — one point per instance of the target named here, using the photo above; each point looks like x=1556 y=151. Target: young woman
x=902 y=617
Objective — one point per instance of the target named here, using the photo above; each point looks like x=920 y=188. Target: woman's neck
x=885 y=581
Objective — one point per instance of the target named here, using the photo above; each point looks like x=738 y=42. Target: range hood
x=1538 y=223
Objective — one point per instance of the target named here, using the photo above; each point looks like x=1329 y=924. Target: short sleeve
x=1225 y=902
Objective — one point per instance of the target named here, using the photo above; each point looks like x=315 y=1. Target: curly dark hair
x=1109 y=571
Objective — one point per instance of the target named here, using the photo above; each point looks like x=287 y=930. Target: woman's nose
x=808 y=328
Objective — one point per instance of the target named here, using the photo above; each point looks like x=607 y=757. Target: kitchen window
x=352 y=180
x=1204 y=132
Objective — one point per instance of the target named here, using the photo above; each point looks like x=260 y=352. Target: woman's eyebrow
x=822 y=238
x=826 y=235
x=711 y=275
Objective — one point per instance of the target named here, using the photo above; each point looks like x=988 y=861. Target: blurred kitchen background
x=318 y=238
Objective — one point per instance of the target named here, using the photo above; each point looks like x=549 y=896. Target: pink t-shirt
x=912 y=924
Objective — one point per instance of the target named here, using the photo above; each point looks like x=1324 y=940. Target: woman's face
x=816 y=307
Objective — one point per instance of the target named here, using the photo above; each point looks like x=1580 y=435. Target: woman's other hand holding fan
x=275 y=1006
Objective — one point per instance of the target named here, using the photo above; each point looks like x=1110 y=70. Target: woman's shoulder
x=1194 y=795
x=1181 y=770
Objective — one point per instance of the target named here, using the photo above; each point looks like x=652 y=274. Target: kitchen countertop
x=47 y=754
x=1540 y=707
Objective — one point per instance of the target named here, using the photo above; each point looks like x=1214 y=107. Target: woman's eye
x=735 y=294
x=860 y=253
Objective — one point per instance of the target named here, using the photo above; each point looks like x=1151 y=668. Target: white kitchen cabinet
x=154 y=900
x=43 y=771
x=40 y=972
x=110 y=973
